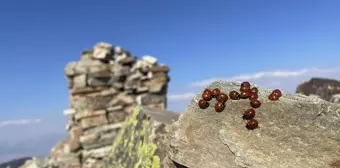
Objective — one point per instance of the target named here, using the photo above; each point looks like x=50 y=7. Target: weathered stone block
x=58 y=149
x=74 y=145
x=117 y=116
x=119 y=70
x=103 y=70
x=70 y=83
x=75 y=133
x=104 y=140
x=114 y=127
x=95 y=163
x=79 y=81
x=97 y=153
x=142 y=89
x=89 y=139
x=98 y=81
x=149 y=59
x=130 y=84
x=86 y=114
x=80 y=68
x=114 y=108
x=160 y=69
x=109 y=92
x=68 y=160
x=118 y=85
x=129 y=108
x=87 y=90
x=152 y=99
x=128 y=61
x=93 y=121
x=157 y=88
x=135 y=76
x=86 y=56
x=122 y=99
x=69 y=69
x=100 y=91
x=159 y=78
x=88 y=103
x=103 y=51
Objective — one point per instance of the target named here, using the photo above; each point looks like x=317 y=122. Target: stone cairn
x=104 y=86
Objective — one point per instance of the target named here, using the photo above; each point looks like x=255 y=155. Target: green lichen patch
x=134 y=147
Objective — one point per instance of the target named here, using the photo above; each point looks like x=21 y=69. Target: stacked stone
x=104 y=86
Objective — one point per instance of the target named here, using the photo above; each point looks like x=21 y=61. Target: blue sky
x=199 y=40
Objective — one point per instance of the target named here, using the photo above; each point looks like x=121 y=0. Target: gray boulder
x=296 y=131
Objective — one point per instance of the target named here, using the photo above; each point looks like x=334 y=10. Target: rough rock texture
x=15 y=162
x=326 y=89
x=140 y=142
x=335 y=98
x=35 y=162
x=104 y=86
x=295 y=132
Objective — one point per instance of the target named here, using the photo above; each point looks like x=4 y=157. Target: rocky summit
x=326 y=89
x=117 y=118
x=296 y=131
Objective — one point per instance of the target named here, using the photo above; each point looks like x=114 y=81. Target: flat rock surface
x=295 y=132
x=165 y=117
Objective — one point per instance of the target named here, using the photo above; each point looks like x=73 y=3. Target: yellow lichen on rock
x=134 y=147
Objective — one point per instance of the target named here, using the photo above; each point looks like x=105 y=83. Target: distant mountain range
x=16 y=163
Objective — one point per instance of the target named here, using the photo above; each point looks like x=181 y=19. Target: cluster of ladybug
x=275 y=95
x=215 y=93
x=245 y=93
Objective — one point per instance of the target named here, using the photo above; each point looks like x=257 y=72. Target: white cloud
x=274 y=83
x=19 y=122
x=287 y=81
x=268 y=74
x=183 y=96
